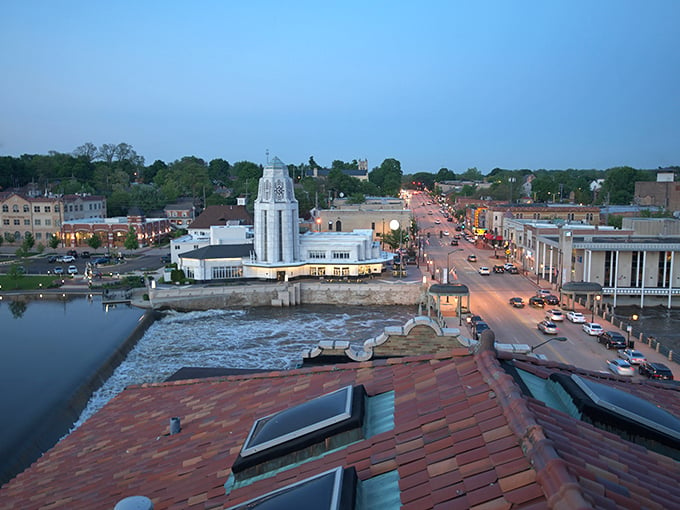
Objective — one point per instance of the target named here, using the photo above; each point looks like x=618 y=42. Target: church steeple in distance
x=277 y=231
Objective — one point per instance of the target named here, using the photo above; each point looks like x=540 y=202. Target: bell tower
x=277 y=233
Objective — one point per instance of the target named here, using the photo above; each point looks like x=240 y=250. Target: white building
x=279 y=251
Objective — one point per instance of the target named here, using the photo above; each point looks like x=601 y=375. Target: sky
x=435 y=84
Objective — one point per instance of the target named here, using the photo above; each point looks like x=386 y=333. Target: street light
x=448 y=265
x=596 y=302
x=394 y=225
x=556 y=338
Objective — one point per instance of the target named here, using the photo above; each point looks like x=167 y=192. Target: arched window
x=5 y=208
x=17 y=236
x=338 y=226
x=15 y=208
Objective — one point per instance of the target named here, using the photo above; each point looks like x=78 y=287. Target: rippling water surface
x=268 y=338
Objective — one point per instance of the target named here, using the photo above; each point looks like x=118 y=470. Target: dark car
x=52 y=259
x=73 y=253
x=656 y=371
x=85 y=255
x=473 y=319
x=536 y=302
x=498 y=269
x=101 y=260
x=512 y=270
x=612 y=340
x=551 y=300
x=454 y=242
x=479 y=328
x=517 y=302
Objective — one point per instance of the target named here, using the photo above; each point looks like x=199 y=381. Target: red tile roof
x=464 y=437
x=214 y=215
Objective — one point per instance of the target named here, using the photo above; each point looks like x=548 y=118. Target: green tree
x=387 y=177
x=131 y=242
x=356 y=198
x=94 y=241
x=28 y=243
x=471 y=174
x=393 y=238
x=445 y=174
x=15 y=272
x=53 y=241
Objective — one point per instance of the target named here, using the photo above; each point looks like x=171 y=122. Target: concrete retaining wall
x=285 y=294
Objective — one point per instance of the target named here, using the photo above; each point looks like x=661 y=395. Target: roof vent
x=175 y=426
x=134 y=503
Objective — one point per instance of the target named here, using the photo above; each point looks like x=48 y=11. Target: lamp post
x=448 y=265
x=596 y=302
x=394 y=225
x=556 y=338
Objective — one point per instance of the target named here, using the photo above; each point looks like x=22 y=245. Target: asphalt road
x=489 y=296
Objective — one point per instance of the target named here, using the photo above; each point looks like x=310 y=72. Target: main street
x=489 y=295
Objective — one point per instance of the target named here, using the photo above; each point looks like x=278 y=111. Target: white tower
x=277 y=233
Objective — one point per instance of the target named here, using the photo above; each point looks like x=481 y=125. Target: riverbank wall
x=284 y=294
x=57 y=422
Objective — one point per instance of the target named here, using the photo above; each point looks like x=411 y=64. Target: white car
x=507 y=266
x=554 y=315
x=72 y=270
x=576 y=317
x=632 y=356
x=484 y=270
x=66 y=258
x=593 y=328
x=543 y=292
x=620 y=367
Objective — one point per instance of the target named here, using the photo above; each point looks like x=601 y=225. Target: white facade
x=215 y=235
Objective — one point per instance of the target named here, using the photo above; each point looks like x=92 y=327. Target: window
x=37 y=222
x=332 y=490
x=48 y=222
x=38 y=235
x=36 y=208
x=17 y=222
x=224 y=272
x=15 y=208
x=317 y=254
x=26 y=208
x=340 y=254
x=27 y=221
x=48 y=209
x=317 y=271
x=189 y=271
x=5 y=208
x=56 y=208
x=5 y=221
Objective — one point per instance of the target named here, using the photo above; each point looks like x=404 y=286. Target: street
x=490 y=294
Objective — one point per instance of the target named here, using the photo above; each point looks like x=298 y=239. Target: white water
x=255 y=338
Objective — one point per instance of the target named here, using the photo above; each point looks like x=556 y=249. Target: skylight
x=304 y=425
x=331 y=490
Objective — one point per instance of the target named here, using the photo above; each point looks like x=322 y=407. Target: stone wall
x=270 y=294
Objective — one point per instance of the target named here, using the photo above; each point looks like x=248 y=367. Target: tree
x=87 y=150
x=387 y=177
x=53 y=241
x=94 y=241
x=131 y=242
x=394 y=238
x=472 y=174
x=445 y=174
x=28 y=242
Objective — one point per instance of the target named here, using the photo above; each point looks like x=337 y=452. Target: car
x=517 y=302
x=454 y=242
x=536 y=302
x=437 y=222
x=612 y=339
x=97 y=274
x=632 y=356
x=85 y=255
x=551 y=300
x=554 y=315
x=620 y=367
x=479 y=328
x=498 y=269
x=547 y=327
x=655 y=371
x=508 y=265
x=473 y=319
x=484 y=270
x=72 y=270
x=58 y=270
x=72 y=253
x=576 y=317
x=457 y=236
x=592 y=328
x=101 y=260
x=512 y=270
x=52 y=259
x=66 y=258
x=472 y=258
x=446 y=233
x=543 y=292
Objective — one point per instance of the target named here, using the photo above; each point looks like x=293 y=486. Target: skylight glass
x=630 y=406
x=299 y=420
x=331 y=490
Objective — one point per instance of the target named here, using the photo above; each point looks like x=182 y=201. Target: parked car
x=52 y=259
x=547 y=327
x=58 y=270
x=655 y=371
x=612 y=340
x=517 y=302
x=508 y=265
x=66 y=258
x=576 y=317
x=551 y=300
x=498 y=269
x=632 y=356
x=72 y=253
x=554 y=315
x=512 y=270
x=620 y=367
x=472 y=258
x=479 y=328
x=85 y=255
x=592 y=328
x=473 y=319
x=72 y=270
x=484 y=271
x=543 y=292
x=454 y=242
x=536 y=302
x=101 y=260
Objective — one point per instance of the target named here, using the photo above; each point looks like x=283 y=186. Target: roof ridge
x=561 y=489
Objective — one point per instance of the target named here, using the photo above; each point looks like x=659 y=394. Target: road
x=489 y=296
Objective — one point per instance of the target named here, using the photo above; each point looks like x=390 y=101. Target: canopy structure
x=456 y=292
x=590 y=289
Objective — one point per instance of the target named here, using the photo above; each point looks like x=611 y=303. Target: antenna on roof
x=267 y=153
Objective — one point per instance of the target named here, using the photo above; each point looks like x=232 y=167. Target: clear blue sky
x=456 y=84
